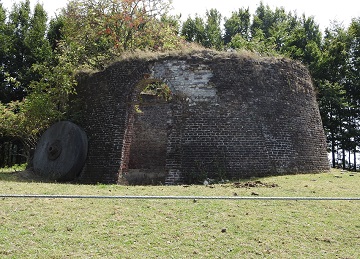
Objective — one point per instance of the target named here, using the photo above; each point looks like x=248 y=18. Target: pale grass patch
x=188 y=50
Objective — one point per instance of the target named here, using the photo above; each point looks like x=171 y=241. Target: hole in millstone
x=54 y=150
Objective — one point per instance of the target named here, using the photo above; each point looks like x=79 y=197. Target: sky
x=324 y=11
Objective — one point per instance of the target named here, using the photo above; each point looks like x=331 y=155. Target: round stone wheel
x=61 y=152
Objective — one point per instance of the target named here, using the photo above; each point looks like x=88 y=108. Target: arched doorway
x=151 y=113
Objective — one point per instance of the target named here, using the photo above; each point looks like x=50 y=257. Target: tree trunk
x=333 y=151
x=355 y=159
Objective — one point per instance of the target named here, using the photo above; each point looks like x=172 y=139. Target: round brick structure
x=227 y=116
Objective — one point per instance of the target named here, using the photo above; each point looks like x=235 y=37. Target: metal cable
x=40 y=196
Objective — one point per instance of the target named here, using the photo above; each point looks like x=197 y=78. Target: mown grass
x=91 y=228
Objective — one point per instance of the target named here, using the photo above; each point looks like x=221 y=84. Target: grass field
x=104 y=228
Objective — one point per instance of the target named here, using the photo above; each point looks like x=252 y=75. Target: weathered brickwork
x=228 y=117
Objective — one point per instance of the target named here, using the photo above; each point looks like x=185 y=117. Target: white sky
x=324 y=11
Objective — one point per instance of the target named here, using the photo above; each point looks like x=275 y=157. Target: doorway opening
x=151 y=113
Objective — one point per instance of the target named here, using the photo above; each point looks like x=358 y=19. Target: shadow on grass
x=9 y=176
x=19 y=176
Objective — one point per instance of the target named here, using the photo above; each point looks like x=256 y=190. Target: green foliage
x=12 y=169
x=94 y=32
x=158 y=89
x=24 y=45
x=45 y=103
x=193 y=30
x=55 y=34
x=159 y=35
x=354 y=60
x=35 y=80
x=208 y=33
x=213 y=30
x=258 y=44
x=237 y=25
x=334 y=98
x=267 y=20
x=28 y=119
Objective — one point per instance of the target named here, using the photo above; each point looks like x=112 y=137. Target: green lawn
x=93 y=228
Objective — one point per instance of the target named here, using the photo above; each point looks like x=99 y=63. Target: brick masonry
x=229 y=117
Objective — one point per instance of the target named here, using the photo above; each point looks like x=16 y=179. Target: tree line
x=39 y=57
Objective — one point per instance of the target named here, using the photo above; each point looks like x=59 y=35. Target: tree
x=24 y=45
x=304 y=42
x=273 y=28
x=55 y=32
x=353 y=75
x=353 y=87
x=34 y=81
x=207 y=33
x=333 y=95
x=258 y=44
x=159 y=35
x=98 y=30
x=238 y=24
x=332 y=101
x=193 y=30
x=4 y=46
x=213 y=38
x=266 y=20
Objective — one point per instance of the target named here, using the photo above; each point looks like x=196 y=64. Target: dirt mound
x=252 y=184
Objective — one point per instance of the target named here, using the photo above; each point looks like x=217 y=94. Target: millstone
x=61 y=152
